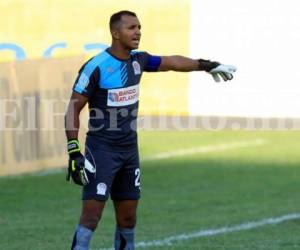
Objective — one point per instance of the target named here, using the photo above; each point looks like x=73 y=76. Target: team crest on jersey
x=136 y=67
x=83 y=81
x=101 y=188
x=123 y=96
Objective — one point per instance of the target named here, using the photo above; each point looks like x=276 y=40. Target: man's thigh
x=107 y=164
x=126 y=185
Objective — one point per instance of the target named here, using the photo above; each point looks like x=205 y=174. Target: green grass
x=179 y=195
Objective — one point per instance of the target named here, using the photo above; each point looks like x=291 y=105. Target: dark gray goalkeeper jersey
x=112 y=88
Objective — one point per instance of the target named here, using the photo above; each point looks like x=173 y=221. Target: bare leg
x=90 y=216
x=126 y=211
x=91 y=213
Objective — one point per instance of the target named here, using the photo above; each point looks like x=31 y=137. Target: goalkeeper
x=109 y=83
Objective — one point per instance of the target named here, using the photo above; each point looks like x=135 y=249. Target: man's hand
x=76 y=167
x=217 y=70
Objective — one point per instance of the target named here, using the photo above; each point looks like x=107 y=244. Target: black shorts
x=117 y=172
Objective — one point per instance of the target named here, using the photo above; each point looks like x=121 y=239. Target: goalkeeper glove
x=76 y=168
x=217 y=70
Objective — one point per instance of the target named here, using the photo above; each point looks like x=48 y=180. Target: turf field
x=191 y=182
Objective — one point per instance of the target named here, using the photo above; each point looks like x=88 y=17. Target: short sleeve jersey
x=112 y=88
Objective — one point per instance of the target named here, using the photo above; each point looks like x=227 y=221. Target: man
x=109 y=83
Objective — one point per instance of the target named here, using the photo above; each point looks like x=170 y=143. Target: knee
x=89 y=220
x=126 y=221
x=91 y=213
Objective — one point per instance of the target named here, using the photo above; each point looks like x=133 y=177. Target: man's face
x=129 y=32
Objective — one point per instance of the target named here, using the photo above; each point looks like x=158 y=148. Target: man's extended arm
x=178 y=63
x=185 y=64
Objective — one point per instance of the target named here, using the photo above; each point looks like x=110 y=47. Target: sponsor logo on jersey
x=101 y=188
x=136 y=67
x=110 y=70
x=123 y=96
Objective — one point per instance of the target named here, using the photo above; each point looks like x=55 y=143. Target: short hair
x=116 y=17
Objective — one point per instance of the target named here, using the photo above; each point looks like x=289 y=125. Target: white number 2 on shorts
x=137 y=177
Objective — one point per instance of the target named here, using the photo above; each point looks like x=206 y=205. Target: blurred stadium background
x=213 y=155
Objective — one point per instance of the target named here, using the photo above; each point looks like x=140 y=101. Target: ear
x=115 y=34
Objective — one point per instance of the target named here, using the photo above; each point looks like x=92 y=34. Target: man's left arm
x=178 y=63
x=185 y=64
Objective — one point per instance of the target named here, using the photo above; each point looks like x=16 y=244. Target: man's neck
x=119 y=52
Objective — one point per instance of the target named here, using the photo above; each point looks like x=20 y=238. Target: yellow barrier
x=34 y=95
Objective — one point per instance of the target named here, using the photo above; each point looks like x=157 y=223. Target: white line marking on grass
x=212 y=232
x=49 y=172
x=204 y=149
x=45 y=172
